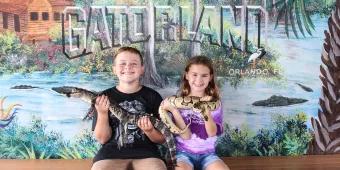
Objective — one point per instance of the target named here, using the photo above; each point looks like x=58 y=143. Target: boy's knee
x=149 y=164
x=111 y=164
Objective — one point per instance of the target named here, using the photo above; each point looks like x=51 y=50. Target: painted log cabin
x=31 y=19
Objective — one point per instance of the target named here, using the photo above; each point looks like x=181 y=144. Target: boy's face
x=128 y=67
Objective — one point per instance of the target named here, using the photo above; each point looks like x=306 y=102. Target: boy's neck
x=129 y=88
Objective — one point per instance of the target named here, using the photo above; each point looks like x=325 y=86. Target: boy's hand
x=145 y=124
x=102 y=104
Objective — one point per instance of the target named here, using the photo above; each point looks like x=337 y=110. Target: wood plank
x=310 y=162
x=50 y=164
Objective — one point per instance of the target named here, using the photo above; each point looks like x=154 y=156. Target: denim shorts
x=197 y=161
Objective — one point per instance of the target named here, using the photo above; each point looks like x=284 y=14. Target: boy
x=140 y=151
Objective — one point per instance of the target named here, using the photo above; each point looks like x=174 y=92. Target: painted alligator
x=24 y=87
x=274 y=101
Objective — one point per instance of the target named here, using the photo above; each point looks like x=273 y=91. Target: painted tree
x=195 y=47
x=327 y=126
x=151 y=77
x=294 y=11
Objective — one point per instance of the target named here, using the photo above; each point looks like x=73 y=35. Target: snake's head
x=200 y=108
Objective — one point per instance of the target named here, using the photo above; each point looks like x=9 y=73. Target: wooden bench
x=310 y=162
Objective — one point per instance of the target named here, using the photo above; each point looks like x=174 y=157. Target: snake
x=197 y=104
x=124 y=117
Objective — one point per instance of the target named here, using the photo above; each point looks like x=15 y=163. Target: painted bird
x=257 y=55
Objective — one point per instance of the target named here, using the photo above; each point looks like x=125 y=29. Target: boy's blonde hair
x=131 y=50
x=211 y=89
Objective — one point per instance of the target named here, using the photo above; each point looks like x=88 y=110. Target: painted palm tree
x=292 y=11
x=327 y=126
x=7 y=115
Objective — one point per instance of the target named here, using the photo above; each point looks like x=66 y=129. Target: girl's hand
x=102 y=104
x=145 y=124
x=166 y=105
x=208 y=114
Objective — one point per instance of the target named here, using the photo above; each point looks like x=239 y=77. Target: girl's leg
x=211 y=161
x=183 y=166
x=148 y=164
x=217 y=165
x=184 y=161
x=111 y=164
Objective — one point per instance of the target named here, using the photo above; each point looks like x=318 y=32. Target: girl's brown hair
x=211 y=89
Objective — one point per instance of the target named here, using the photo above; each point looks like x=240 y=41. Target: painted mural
x=277 y=63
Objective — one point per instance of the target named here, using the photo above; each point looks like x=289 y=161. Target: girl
x=196 y=147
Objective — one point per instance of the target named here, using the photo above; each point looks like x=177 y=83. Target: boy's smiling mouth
x=127 y=73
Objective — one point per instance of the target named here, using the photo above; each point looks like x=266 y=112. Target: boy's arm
x=154 y=135
x=102 y=130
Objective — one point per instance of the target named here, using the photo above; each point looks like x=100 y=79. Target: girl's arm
x=210 y=126
x=178 y=119
x=102 y=130
x=214 y=125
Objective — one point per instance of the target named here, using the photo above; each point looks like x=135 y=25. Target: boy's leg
x=111 y=164
x=148 y=164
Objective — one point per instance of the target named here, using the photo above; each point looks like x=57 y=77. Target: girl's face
x=198 y=77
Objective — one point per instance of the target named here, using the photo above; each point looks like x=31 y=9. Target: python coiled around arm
x=198 y=104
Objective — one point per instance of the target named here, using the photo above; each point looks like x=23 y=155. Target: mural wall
x=276 y=60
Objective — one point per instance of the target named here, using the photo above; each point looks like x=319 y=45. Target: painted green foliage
x=19 y=57
x=288 y=136
x=35 y=142
x=297 y=14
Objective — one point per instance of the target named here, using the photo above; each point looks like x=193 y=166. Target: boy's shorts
x=197 y=161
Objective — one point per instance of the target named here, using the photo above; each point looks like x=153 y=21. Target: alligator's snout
x=63 y=90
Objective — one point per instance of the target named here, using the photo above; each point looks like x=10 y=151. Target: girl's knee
x=183 y=166
x=217 y=165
